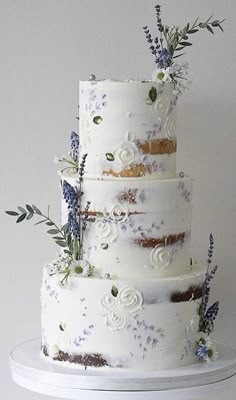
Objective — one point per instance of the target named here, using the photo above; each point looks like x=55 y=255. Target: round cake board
x=31 y=371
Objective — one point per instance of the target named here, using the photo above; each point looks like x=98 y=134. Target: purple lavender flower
x=158 y=15
x=164 y=59
x=73 y=224
x=71 y=196
x=74 y=146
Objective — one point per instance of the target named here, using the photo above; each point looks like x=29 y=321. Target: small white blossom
x=56 y=160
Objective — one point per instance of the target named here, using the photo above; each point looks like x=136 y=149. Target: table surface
x=198 y=381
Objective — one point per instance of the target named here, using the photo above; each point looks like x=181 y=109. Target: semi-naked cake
x=132 y=300
x=124 y=291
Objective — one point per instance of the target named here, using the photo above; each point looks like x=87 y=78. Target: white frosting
x=144 y=315
x=116 y=116
x=154 y=209
x=140 y=328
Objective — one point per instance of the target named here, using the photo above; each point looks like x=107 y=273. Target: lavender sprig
x=72 y=162
x=74 y=146
x=71 y=196
x=208 y=314
x=82 y=167
x=176 y=39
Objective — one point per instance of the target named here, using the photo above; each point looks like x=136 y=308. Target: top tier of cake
x=128 y=129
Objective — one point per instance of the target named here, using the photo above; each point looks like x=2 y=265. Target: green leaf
x=185 y=37
x=64 y=228
x=97 y=120
x=67 y=252
x=29 y=216
x=221 y=28
x=179 y=55
x=40 y=222
x=61 y=243
x=185 y=44
x=53 y=231
x=203 y=25
x=21 y=218
x=210 y=29
x=110 y=157
x=215 y=23
x=152 y=94
x=13 y=213
x=193 y=31
x=58 y=238
x=36 y=209
x=49 y=223
x=22 y=210
x=179 y=48
x=29 y=208
x=114 y=291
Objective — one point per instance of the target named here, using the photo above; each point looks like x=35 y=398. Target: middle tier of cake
x=135 y=227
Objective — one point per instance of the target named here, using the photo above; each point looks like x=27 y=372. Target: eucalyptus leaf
x=215 y=23
x=152 y=94
x=12 y=213
x=179 y=48
x=203 y=25
x=58 y=238
x=21 y=218
x=29 y=216
x=210 y=29
x=61 y=243
x=179 y=55
x=41 y=222
x=36 y=210
x=185 y=44
x=49 y=223
x=64 y=228
x=193 y=31
x=29 y=208
x=53 y=231
x=22 y=210
x=67 y=252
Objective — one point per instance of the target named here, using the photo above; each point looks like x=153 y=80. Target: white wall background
x=46 y=46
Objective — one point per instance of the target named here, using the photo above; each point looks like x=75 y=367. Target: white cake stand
x=197 y=381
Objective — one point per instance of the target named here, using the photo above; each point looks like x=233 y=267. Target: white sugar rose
x=170 y=126
x=160 y=257
x=119 y=213
x=64 y=342
x=130 y=299
x=161 y=106
x=106 y=231
x=126 y=153
x=116 y=320
x=108 y=302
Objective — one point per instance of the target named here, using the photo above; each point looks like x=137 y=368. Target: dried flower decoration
x=208 y=314
x=169 y=43
x=206 y=349
x=72 y=161
x=30 y=211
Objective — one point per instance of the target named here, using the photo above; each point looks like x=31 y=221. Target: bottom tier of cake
x=139 y=324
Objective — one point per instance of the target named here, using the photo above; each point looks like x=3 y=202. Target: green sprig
x=178 y=39
x=62 y=238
